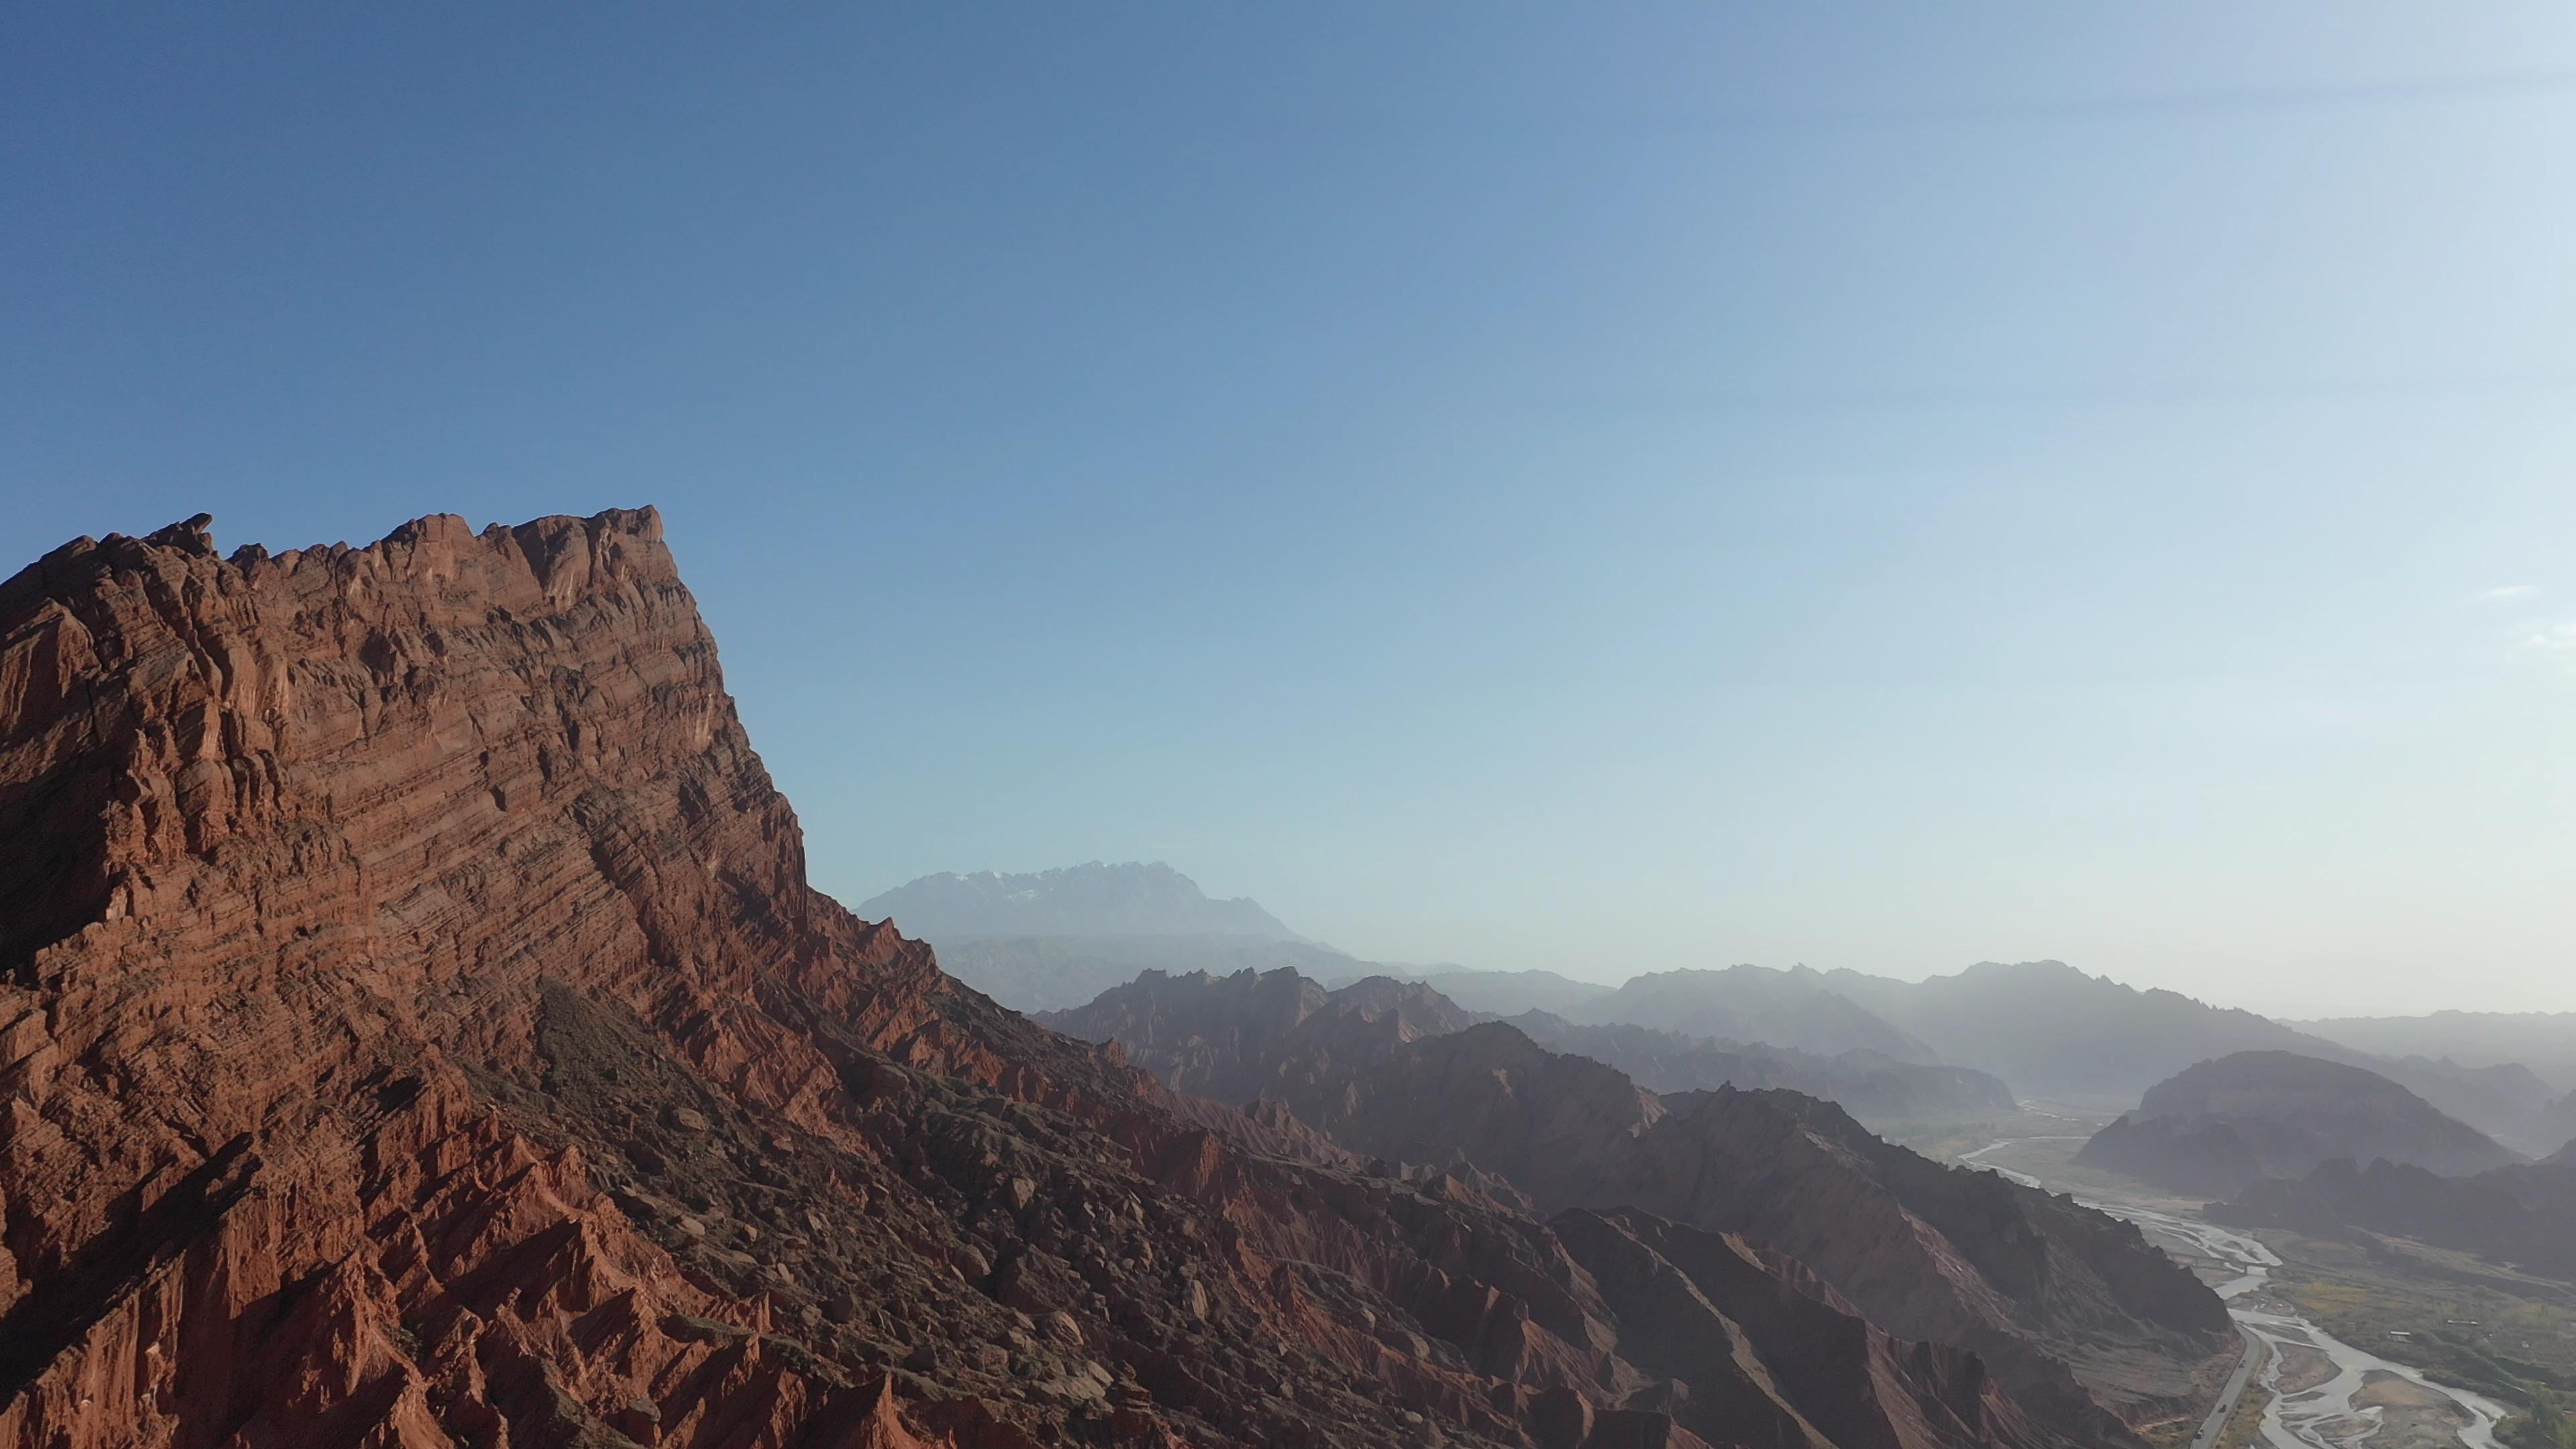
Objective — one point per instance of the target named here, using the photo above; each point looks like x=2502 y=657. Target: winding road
x=2320 y=1416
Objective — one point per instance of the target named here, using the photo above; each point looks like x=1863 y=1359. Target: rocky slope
x=2068 y=1307
x=416 y=1029
x=2064 y=1303
x=2223 y=1124
x=1230 y=1038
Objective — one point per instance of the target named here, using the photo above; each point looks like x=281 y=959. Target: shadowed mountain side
x=1257 y=1034
x=1866 y=1084
x=1945 y=1254
x=1794 y=1009
x=1744 y=1326
x=2221 y=1125
x=2524 y=1215
x=1941 y=1254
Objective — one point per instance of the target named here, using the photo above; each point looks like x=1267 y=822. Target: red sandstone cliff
x=416 y=1029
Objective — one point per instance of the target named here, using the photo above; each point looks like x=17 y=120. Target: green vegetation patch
x=2509 y=1338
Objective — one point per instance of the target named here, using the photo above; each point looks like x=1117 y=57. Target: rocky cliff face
x=416 y=1029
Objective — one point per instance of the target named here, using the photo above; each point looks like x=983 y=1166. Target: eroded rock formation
x=416 y=1029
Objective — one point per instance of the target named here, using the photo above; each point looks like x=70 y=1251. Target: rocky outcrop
x=2221 y=1125
x=416 y=1029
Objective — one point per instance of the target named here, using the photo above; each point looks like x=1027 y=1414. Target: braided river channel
x=2330 y=1414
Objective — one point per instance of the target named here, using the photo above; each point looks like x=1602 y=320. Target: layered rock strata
x=417 y=1029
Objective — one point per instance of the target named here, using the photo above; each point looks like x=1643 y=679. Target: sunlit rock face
x=416 y=1029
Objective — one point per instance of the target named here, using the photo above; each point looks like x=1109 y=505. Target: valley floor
x=2363 y=1341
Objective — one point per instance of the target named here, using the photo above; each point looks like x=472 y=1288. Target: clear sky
x=1600 y=488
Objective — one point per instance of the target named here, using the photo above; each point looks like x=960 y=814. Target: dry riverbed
x=2316 y=1389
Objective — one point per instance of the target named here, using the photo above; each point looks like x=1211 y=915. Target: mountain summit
x=2221 y=1125
x=1094 y=899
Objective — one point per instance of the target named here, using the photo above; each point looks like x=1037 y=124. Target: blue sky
x=1604 y=489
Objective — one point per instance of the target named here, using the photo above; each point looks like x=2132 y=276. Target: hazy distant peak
x=1792 y=1008
x=1096 y=898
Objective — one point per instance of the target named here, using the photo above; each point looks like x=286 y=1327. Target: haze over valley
x=1256 y=727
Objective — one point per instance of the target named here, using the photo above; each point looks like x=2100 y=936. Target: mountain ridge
x=1394 y=1080
x=417 y=1027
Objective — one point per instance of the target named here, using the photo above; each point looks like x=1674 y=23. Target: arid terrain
x=2365 y=1338
x=417 y=1028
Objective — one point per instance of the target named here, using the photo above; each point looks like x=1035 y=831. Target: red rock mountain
x=416 y=1029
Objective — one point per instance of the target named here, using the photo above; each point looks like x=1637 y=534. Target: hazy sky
x=1602 y=488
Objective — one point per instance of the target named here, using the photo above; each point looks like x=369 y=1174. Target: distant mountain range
x=1056 y=939
x=2054 y=1298
x=2221 y=1126
x=2543 y=1041
x=1793 y=1008
x=1504 y=993
x=1227 y=1037
x=1050 y=973
x=1870 y=1085
x=1134 y=899
x=2522 y=1215
x=2053 y=1031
